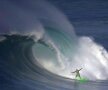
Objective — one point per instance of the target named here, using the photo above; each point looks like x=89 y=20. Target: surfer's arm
x=80 y=69
x=73 y=72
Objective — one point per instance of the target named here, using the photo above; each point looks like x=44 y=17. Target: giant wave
x=39 y=49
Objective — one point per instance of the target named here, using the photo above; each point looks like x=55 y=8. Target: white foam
x=89 y=55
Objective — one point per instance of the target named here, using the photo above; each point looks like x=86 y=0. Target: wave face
x=20 y=69
x=39 y=49
x=61 y=56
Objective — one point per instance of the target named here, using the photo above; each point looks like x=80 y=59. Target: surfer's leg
x=79 y=76
x=76 y=76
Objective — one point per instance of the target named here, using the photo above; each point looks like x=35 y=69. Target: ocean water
x=39 y=48
x=19 y=69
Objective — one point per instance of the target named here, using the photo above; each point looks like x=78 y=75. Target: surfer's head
x=76 y=69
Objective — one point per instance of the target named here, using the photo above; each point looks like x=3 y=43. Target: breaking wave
x=38 y=46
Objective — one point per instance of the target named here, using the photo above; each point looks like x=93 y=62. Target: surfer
x=77 y=73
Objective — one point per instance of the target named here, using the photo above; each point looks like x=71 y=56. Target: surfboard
x=82 y=79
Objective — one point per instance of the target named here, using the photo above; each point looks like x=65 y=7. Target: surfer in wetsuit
x=77 y=73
